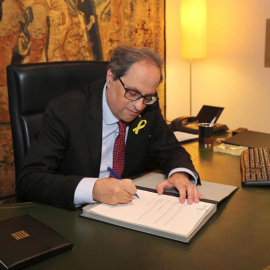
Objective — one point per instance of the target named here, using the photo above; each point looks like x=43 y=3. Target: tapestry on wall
x=34 y=31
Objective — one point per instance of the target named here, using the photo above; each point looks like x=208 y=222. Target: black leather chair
x=32 y=86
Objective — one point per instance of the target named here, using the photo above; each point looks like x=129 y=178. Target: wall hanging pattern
x=34 y=31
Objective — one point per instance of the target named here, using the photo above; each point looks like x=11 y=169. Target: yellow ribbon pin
x=141 y=125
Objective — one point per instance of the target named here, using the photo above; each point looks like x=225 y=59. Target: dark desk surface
x=236 y=237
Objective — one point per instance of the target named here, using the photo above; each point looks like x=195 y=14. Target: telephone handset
x=190 y=124
x=185 y=123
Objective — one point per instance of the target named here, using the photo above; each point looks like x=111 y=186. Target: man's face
x=143 y=77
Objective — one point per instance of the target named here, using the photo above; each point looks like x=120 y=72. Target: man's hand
x=113 y=191
x=181 y=182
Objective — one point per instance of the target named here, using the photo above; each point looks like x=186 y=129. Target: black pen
x=118 y=177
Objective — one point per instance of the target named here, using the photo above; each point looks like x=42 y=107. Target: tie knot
x=122 y=126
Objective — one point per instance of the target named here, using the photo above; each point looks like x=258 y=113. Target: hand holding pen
x=118 y=177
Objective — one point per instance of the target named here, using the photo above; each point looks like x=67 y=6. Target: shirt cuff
x=193 y=180
x=84 y=191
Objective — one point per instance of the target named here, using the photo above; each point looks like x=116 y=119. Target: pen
x=118 y=177
x=213 y=121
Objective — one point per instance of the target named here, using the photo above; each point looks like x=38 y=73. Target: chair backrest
x=32 y=86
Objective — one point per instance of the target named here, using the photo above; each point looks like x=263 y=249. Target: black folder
x=251 y=139
x=25 y=241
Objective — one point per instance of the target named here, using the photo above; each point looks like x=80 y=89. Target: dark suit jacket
x=68 y=147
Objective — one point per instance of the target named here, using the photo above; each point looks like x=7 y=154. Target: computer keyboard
x=255 y=167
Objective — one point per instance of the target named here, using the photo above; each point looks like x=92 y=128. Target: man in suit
x=67 y=164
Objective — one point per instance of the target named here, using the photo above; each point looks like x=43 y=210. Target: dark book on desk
x=25 y=241
x=251 y=139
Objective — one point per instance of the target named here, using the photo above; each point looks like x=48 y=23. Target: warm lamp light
x=193 y=28
x=193 y=18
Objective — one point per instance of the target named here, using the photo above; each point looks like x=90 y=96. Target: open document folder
x=160 y=215
x=212 y=192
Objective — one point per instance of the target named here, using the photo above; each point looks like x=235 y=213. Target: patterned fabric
x=119 y=149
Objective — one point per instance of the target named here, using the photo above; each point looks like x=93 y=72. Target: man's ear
x=109 y=78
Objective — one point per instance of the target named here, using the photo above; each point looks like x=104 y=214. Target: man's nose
x=139 y=104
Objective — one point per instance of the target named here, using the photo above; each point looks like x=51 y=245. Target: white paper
x=161 y=212
x=184 y=136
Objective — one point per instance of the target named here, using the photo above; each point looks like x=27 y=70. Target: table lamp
x=193 y=18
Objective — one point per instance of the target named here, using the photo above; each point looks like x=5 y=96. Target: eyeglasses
x=134 y=95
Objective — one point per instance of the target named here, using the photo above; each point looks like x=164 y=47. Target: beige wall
x=233 y=74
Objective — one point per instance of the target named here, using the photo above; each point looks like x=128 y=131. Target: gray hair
x=125 y=56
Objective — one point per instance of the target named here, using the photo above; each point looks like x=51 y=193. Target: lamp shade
x=193 y=19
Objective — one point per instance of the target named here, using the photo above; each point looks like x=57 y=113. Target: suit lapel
x=135 y=146
x=94 y=124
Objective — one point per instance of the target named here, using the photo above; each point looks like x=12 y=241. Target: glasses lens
x=149 y=100
x=135 y=95
x=132 y=95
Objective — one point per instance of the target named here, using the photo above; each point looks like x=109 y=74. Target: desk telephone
x=190 y=124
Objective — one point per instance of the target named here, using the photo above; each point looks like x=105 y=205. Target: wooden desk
x=236 y=237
